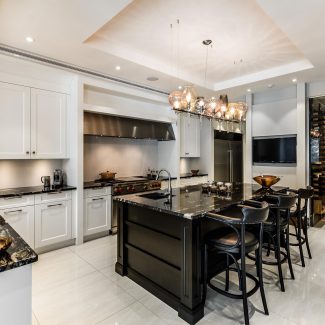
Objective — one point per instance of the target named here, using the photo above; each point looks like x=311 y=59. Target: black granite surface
x=190 y=175
x=20 y=191
x=190 y=202
x=96 y=184
x=18 y=254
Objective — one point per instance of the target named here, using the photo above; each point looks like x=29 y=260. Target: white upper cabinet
x=190 y=136
x=33 y=123
x=14 y=121
x=48 y=124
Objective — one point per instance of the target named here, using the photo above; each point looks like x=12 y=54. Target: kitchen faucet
x=169 y=183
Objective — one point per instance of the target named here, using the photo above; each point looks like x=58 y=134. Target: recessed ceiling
x=269 y=41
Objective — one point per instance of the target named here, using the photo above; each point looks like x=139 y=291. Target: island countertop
x=190 y=202
x=18 y=254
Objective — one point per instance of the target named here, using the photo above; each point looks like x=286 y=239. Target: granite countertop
x=190 y=202
x=189 y=175
x=20 y=191
x=18 y=254
x=93 y=184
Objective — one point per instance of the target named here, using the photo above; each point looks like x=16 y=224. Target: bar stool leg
x=227 y=275
x=278 y=257
x=300 y=242
x=288 y=254
x=306 y=237
x=243 y=285
x=258 y=256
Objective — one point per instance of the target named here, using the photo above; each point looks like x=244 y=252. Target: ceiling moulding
x=264 y=74
x=67 y=66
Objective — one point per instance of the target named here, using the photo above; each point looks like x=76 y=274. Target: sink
x=155 y=195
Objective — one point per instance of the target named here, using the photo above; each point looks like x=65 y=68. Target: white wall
x=281 y=112
x=126 y=157
x=20 y=173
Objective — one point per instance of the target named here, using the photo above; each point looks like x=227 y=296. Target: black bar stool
x=299 y=219
x=235 y=242
x=276 y=231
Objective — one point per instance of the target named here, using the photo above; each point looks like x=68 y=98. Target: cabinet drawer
x=15 y=201
x=53 y=223
x=22 y=220
x=101 y=191
x=52 y=196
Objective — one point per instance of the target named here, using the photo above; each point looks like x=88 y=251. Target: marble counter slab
x=190 y=202
x=18 y=254
x=20 y=191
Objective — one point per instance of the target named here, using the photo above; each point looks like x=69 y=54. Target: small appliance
x=46 y=180
x=57 y=178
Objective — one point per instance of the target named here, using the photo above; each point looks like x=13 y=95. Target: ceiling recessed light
x=152 y=78
x=249 y=90
x=294 y=80
x=117 y=67
x=180 y=87
x=270 y=85
x=16 y=55
x=29 y=39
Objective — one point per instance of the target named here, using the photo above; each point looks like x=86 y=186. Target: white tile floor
x=78 y=285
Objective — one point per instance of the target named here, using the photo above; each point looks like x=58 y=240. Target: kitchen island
x=16 y=279
x=160 y=243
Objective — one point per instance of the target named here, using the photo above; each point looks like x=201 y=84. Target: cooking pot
x=107 y=175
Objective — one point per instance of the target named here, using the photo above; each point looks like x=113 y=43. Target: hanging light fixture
x=189 y=98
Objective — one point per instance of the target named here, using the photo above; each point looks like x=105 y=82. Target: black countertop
x=194 y=203
x=96 y=184
x=190 y=175
x=20 y=191
x=18 y=254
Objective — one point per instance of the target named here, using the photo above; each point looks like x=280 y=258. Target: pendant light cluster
x=213 y=108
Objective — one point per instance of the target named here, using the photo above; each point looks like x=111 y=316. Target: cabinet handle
x=53 y=193
x=13 y=197
x=14 y=211
x=187 y=153
x=34 y=152
x=100 y=198
x=27 y=152
x=54 y=205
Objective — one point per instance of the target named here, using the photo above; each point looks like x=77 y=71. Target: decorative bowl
x=266 y=181
x=194 y=171
x=107 y=175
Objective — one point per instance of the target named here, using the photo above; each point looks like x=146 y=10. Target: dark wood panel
x=161 y=273
x=155 y=243
x=162 y=222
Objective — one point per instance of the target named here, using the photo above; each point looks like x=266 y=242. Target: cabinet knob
x=34 y=152
x=27 y=152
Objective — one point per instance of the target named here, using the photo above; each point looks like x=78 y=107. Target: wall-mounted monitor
x=275 y=150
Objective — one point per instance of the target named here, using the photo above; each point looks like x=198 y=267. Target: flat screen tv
x=270 y=150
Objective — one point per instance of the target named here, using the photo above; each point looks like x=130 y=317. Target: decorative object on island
x=194 y=172
x=266 y=181
x=5 y=240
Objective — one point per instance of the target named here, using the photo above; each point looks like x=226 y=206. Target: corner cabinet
x=189 y=136
x=33 y=123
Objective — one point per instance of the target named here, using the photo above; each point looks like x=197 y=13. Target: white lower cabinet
x=97 y=211
x=21 y=218
x=53 y=223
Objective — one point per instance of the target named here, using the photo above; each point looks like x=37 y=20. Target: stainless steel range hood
x=123 y=127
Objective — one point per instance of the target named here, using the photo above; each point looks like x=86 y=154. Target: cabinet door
x=14 y=121
x=98 y=211
x=22 y=220
x=48 y=124
x=52 y=223
x=190 y=137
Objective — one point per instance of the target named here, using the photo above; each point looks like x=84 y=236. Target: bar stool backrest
x=253 y=215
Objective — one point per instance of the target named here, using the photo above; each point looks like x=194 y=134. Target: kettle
x=57 y=178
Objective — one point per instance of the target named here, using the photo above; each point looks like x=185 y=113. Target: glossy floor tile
x=78 y=285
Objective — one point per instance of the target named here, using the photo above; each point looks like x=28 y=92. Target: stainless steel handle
x=187 y=153
x=34 y=152
x=14 y=211
x=100 y=198
x=13 y=197
x=51 y=193
x=54 y=205
x=27 y=152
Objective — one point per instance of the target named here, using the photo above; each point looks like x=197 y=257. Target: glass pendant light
x=211 y=106
x=175 y=99
x=188 y=98
x=199 y=105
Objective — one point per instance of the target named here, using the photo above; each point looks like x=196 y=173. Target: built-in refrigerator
x=228 y=156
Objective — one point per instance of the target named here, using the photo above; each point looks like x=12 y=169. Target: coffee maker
x=57 y=178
